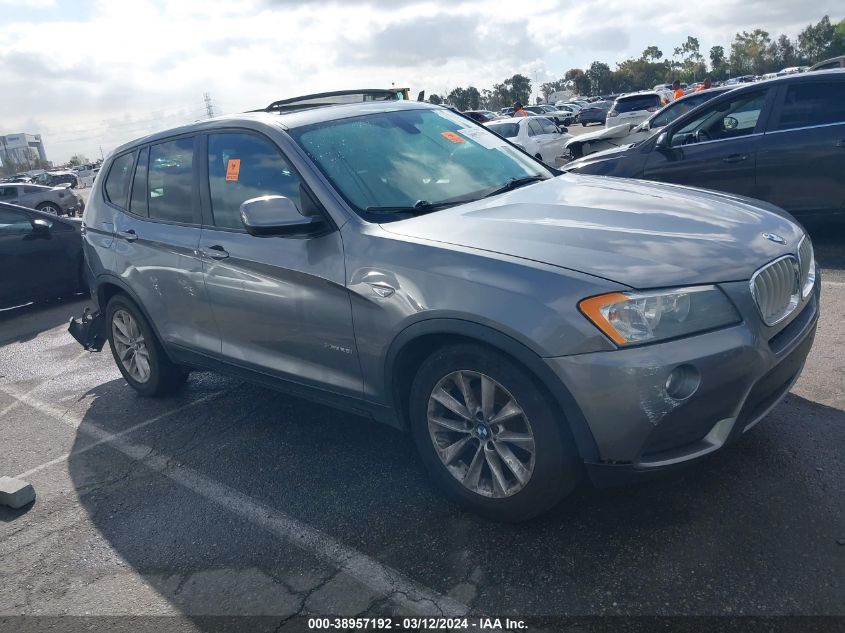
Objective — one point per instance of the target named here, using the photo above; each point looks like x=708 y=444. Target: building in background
x=22 y=151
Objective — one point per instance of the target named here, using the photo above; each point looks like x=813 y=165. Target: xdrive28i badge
x=772 y=237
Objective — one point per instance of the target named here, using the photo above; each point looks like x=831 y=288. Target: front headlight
x=632 y=318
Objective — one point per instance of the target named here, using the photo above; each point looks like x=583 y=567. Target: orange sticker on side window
x=451 y=136
x=233 y=169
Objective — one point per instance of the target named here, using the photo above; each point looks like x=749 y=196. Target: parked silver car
x=404 y=263
x=59 y=200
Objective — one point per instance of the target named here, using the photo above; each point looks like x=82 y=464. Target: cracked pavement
x=251 y=502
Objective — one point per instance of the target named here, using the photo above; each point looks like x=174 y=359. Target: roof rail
x=338 y=97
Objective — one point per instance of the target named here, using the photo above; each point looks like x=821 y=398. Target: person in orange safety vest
x=677 y=91
x=705 y=86
x=518 y=110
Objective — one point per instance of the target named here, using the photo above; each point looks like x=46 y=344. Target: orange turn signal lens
x=592 y=309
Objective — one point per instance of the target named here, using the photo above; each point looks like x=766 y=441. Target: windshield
x=640 y=102
x=400 y=158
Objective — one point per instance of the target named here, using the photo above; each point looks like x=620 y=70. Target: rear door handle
x=214 y=252
x=735 y=158
x=129 y=235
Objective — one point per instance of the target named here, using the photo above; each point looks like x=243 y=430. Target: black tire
x=165 y=376
x=49 y=207
x=583 y=124
x=557 y=467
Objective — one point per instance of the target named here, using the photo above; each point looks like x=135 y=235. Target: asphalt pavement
x=230 y=499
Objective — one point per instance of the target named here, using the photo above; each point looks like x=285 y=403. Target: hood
x=618 y=131
x=641 y=234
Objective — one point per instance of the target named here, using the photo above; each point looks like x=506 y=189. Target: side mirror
x=662 y=141
x=41 y=227
x=562 y=129
x=277 y=215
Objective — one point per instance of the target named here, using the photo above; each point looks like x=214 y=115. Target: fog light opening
x=682 y=382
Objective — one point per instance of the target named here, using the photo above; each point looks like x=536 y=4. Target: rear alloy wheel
x=489 y=436
x=130 y=346
x=49 y=207
x=137 y=351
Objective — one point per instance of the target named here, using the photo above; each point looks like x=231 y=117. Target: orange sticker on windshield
x=233 y=169
x=451 y=136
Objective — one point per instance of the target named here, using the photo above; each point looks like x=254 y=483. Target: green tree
x=749 y=53
x=652 y=54
x=502 y=96
x=782 y=53
x=689 y=62
x=486 y=101
x=837 y=46
x=473 y=98
x=601 y=78
x=520 y=88
x=576 y=80
x=458 y=98
x=435 y=99
x=78 y=159
x=549 y=88
x=718 y=63
x=816 y=41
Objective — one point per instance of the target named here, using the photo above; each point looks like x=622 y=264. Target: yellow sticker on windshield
x=233 y=169
x=451 y=136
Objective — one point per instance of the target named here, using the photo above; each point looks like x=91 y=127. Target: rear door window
x=243 y=166
x=117 y=182
x=812 y=103
x=548 y=127
x=170 y=181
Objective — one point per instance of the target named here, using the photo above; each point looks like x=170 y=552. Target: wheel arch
x=416 y=342
x=107 y=286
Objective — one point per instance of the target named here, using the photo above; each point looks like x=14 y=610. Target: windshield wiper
x=515 y=183
x=419 y=206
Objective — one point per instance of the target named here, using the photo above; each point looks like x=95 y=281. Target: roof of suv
x=285 y=120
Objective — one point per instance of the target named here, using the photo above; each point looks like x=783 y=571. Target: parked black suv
x=781 y=140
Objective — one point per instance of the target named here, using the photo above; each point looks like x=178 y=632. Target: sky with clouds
x=86 y=74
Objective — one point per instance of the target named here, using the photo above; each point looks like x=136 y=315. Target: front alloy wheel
x=481 y=434
x=489 y=435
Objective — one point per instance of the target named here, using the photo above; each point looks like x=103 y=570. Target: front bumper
x=745 y=370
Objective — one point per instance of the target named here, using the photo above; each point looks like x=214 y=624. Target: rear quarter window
x=117 y=182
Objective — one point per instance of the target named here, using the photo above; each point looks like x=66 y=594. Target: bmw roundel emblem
x=772 y=237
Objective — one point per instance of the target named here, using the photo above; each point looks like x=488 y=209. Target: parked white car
x=634 y=108
x=537 y=135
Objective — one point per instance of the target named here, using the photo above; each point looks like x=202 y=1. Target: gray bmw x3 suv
x=401 y=262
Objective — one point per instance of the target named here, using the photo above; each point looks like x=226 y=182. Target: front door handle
x=214 y=252
x=735 y=158
x=129 y=235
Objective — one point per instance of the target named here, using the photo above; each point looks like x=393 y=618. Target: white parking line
x=110 y=436
x=40 y=384
x=382 y=579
